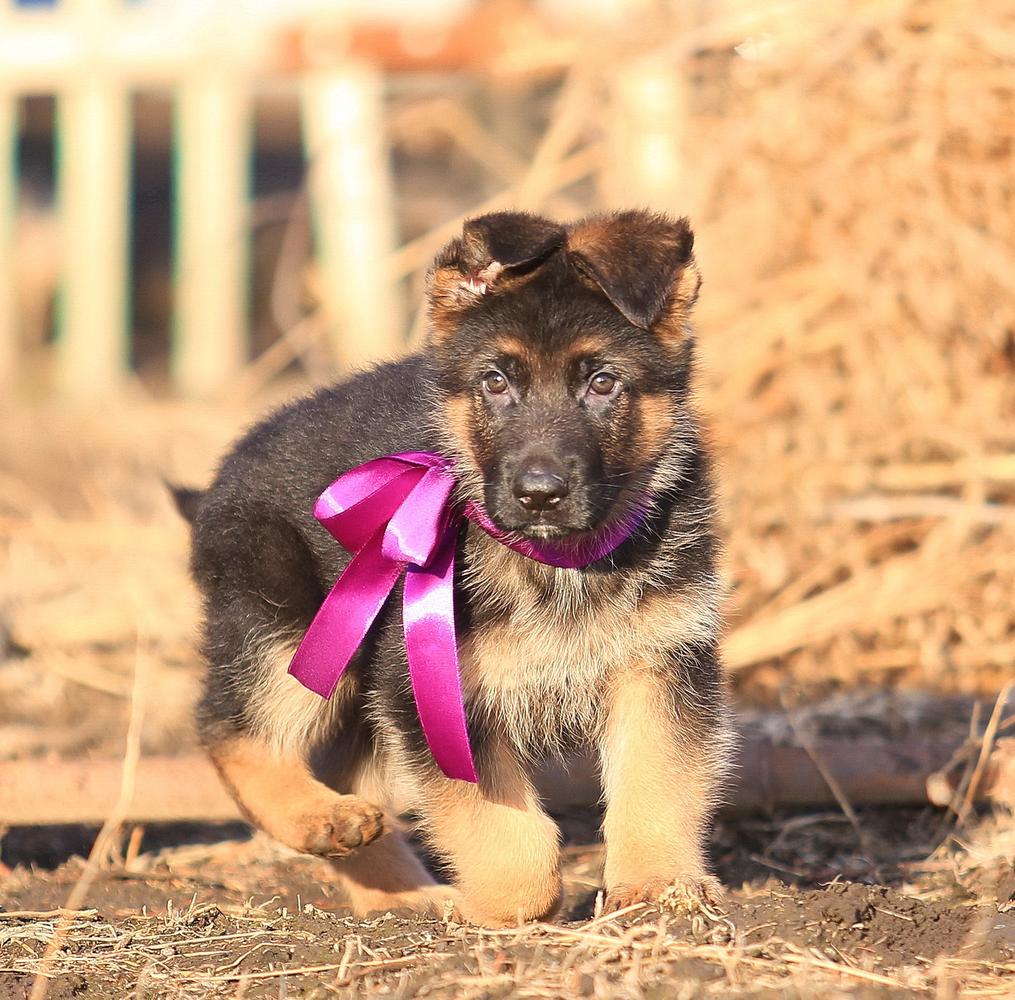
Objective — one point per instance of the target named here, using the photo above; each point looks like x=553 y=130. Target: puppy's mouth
x=548 y=526
x=577 y=518
x=545 y=530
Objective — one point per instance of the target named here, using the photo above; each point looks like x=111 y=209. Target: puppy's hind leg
x=387 y=875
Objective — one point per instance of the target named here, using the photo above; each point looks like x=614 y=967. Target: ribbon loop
x=396 y=515
x=416 y=529
x=353 y=519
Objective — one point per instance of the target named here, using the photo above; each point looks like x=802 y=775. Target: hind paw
x=440 y=901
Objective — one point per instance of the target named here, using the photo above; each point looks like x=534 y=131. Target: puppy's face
x=563 y=357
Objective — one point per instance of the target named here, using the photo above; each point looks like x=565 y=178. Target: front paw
x=687 y=893
x=338 y=827
x=511 y=898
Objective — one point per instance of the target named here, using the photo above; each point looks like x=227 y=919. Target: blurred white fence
x=211 y=55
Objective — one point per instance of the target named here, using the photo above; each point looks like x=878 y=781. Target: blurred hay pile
x=856 y=201
x=93 y=571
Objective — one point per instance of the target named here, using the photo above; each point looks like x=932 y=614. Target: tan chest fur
x=542 y=673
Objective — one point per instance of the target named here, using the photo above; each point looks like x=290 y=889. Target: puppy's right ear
x=492 y=250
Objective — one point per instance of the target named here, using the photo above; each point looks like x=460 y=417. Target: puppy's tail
x=187 y=500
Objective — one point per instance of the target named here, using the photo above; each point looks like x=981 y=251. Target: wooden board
x=171 y=789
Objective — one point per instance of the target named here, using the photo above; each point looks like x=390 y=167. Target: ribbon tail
x=344 y=619
x=432 y=650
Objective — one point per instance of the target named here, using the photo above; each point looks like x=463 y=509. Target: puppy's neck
x=503 y=584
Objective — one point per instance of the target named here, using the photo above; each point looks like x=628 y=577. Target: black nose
x=540 y=487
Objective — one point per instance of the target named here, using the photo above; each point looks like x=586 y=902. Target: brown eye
x=603 y=384
x=495 y=383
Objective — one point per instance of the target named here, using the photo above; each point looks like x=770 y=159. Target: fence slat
x=645 y=125
x=212 y=146
x=93 y=183
x=350 y=187
x=8 y=207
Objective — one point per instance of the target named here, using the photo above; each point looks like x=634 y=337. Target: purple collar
x=396 y=514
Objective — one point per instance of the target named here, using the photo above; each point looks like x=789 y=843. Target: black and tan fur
x=560 y=351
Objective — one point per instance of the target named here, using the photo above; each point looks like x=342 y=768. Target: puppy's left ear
x=643 y=262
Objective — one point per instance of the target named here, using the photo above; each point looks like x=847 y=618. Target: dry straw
x=856 y=199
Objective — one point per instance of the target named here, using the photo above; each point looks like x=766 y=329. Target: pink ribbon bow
x=396 y=514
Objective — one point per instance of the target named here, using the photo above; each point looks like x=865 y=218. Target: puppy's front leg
x=661 y=756
x=280 y=794
x=503 y=847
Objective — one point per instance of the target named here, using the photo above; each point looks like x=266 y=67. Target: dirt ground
x=201 y=916
x=891 y=902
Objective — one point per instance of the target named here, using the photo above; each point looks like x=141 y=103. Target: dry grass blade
x=61 y=911
x=107 y=834
x=986 y=746
x=852 y=972
x=835 y=788
x=304 y=970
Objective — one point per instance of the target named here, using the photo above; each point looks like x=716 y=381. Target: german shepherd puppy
x=556 y=376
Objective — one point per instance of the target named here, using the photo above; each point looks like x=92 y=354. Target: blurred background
x=208 y=207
